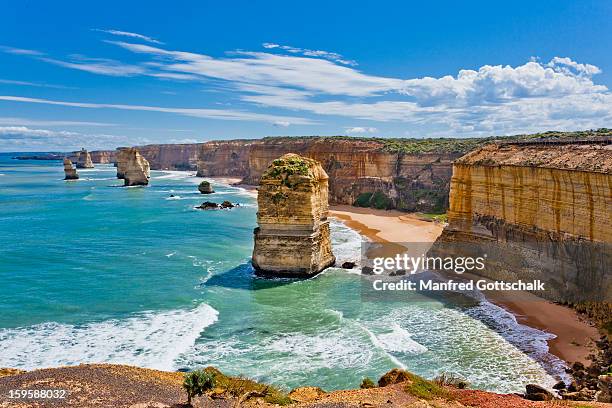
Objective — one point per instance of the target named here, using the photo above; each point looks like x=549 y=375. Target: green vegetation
x=377 y=200
x=197 y=383
x=448 y=144
x=424 y=389
x=436 y=217
x=451 y=380
x=363 y=200
x=287 y=167
x=239 y=387
x=367 y=383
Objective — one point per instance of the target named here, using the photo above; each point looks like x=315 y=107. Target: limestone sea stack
x=70 y=172
x=134 y=168
x=292 y=238
x=84 y=160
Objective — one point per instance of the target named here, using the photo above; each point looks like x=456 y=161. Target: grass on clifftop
x=449 y=144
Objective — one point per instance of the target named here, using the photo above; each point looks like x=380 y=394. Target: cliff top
x=571 y=156
x=122 y=386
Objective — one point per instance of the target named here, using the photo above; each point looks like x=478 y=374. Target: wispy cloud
x=36 y=84
x=102 y=66
x=193 y=112
x=533 y=96
x=38 y=122
x=333 y=56
x=129 y=34
x=20 y=51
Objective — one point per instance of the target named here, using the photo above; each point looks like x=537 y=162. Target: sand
x=574 y=336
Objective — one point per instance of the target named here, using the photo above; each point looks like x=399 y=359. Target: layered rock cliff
x=132 y=167
x=546 y=208
x=292 y=237
x=225 y=158
x=70 y=172
x=84 y=160
x=411 y=175
x=410 y=180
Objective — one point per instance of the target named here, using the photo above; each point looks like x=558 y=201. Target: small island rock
x=205 y=187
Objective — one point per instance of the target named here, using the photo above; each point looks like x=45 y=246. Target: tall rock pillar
x=70 y=172
x=293 y=238
x=132 y=167
x=84 y=160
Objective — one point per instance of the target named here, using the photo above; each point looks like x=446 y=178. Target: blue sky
x=76 y=74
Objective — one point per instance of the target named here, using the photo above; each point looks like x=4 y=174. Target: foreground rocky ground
x=105 y=385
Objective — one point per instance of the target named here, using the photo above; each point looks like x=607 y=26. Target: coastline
x=574 y=336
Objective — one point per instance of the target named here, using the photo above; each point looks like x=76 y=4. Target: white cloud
x=102 y=66
x=193 y=112
x=36 y=84
x=359 y=129
x=333 y=56
x=35 y=122
x=559 y=94
x=129 y=34
x=281 y=123
x=25 y=131
x=20 y=51
x=257 y=68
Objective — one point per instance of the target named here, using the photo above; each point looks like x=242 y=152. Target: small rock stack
x=132 y=167
x=205 y=187
x=293 y=237
x=84 y=160
x=70 y=172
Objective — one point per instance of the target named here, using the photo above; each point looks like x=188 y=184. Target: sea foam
x=149 y=339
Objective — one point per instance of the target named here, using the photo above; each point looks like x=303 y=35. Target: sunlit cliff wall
x=549 y=205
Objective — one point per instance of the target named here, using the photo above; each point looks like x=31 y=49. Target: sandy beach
x=574 y=337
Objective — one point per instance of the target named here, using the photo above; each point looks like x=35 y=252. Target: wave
x=149 y=339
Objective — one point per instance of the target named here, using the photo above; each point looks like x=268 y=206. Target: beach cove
x=155 y=283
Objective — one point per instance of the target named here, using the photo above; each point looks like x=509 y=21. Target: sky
x=105 y=74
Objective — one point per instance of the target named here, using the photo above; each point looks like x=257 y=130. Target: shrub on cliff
x=197 y=383
x=367 y=383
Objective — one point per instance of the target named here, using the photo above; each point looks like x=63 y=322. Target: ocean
x=94 y=272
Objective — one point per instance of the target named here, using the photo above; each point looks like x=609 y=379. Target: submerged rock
x=348 y=265
x=205 y=187
x=208 y=205
x=84 y=160
x=133 y=168
x=70 y=172
x=292 y=237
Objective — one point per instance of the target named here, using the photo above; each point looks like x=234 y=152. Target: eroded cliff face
x=292 y=237
x=103 y=156
x=546 y=207
x=225 y=158
x=409 y=181
x=172 y=156
x=417 y=181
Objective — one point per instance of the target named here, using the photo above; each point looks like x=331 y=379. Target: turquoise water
x=94 y=272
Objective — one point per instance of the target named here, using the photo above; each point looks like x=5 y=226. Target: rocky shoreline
x=107 y=385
